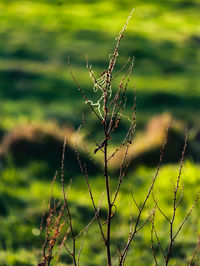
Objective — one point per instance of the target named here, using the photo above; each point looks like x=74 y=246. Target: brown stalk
x=196 y=252
x=174 y=201
x=83 y=169
x=124 y=253
x=152 y=234
x=73 y=253
x=109 y=112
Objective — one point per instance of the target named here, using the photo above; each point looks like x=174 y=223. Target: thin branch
x=180 y=199
x=158 y=207
x=159 y=244
x=89 y=132
x=80 y=249
x=155 y=232
x=143 y=224
x=83 y=93
x=62 y=244
x=180 y=168
x=196 y=251
x=95 y=81
x=123 y=256
x=152 y=241
x=175 y=204
x=92 y=220
x=135 y=201
x=115 y=116
x=67 y=205
x=129 y=135
x=123 y=67
x=186 y=218
x=83 y=169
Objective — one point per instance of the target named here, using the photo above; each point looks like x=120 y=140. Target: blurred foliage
x=20 y=225
x=37 y=37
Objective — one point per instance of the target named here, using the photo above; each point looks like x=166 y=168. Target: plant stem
x=109 y=204
x=107 y=181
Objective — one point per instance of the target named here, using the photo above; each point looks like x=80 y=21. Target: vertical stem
x=109 y=204
x=107 y=180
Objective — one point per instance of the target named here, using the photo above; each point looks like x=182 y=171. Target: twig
x=152 y=241
x=83 y=93
x=123 y=256
x=196 y=251
x=84 y=172
x=175 y=205
x=73 y=253
x=80 y=249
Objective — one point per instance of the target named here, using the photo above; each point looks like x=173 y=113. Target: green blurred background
x=39 y=104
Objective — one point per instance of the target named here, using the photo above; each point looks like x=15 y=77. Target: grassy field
x=38 y=36
x=36 y=89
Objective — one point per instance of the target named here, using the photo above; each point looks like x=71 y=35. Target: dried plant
x=109 y=111
x=173 y=232
x=195 y=255
x=58 y=217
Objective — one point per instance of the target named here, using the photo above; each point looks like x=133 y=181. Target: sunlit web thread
x=100 y=84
